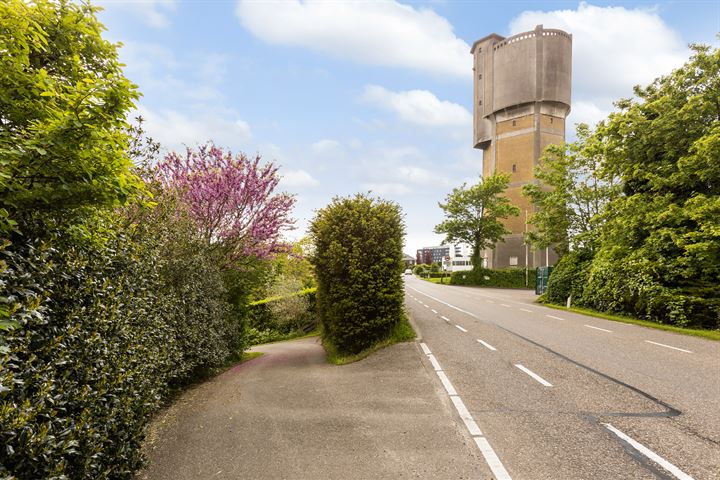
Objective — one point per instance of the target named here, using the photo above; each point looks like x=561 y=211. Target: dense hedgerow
x=358 y=265
x=509 y=278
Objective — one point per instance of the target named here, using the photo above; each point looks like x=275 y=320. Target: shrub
x=88 y=363
x=509 y=278
x=358 y=262
x=569 y=277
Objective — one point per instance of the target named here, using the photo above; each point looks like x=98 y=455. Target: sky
x=371 y=96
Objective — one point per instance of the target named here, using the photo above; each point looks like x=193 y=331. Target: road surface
x=548 y=394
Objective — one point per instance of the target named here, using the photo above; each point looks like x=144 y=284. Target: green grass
x=709 y=334
x=445 y=280
x=247 y=356
x=402 y=332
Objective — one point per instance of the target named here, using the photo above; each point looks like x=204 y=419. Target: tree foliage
x=571 y=194
x=659 y=244
x=63 y=100
x=358 y=262
x=231 y=199
x=474 y=214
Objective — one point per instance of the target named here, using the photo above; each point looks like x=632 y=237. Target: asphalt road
x=547 y=394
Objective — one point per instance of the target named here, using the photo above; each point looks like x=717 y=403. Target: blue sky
x=352 y=96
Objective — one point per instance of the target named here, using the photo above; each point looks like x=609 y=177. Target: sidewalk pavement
x=290 y=415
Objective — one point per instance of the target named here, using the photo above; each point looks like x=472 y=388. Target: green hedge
x=509 y=278
x=358 y=262
x=102 y=331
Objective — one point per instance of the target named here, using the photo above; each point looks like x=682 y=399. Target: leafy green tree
x=358 y=262
x=63 y=104
x=571 y=194
x=473 y=214
x=660 y=244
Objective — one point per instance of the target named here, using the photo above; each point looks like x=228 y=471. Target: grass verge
x=402 y=332
x=709 y=334
x=445 y=280
x=247 y=356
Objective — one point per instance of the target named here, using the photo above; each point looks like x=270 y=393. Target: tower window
x=479 y=102
x=480 y=77
x=551 y=119
x=514 y=123
x=514 y=167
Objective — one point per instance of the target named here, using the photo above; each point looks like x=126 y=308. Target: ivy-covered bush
x=358 y=262
x=508 y=278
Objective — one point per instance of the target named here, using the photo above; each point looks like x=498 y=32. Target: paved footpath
x=290 y=415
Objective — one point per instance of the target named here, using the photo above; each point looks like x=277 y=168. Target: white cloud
x=174 y=129
x=383 y=33
x=325 y=146
x=297 y=179
x=614 y=48
x=418 y=107
x=153 y=13
x=586 y=112
x=417 y=175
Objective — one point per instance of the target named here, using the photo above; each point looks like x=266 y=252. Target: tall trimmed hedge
x=358 y=262
x=103 y=330
x=508 y=278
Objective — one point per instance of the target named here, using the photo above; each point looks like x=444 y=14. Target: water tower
x=522 y=98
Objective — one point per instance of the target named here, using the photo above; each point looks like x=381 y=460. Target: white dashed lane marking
x=553 y=316
x=668 y=346
x=650 y=454
x=526 y=310
x=460 y=328
x=486 y=345
x=598 y=328
x=534 y=375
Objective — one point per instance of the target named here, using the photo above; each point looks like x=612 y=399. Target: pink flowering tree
x=231 y=199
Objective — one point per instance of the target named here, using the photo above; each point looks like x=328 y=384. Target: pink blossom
x=230 y=199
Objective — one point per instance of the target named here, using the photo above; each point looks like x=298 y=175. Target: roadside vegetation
x=124 y=276
x=358 y=264
x=634 y=208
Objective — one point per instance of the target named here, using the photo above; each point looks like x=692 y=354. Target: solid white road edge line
x=553 y=316
x=460 y=328
x=598 y=328
x=446 y=383
x=650 y=454
x=486 y=345
x=434 y=362
x=466 y=417
x=491 y=458
x=668 y=346
x=534 y=375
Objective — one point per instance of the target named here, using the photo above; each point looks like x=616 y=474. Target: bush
x=509 y=278
x=88 y=363
x=569 y=277
x=358 y=262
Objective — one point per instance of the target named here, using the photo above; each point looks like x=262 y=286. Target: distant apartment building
x=452 y=257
